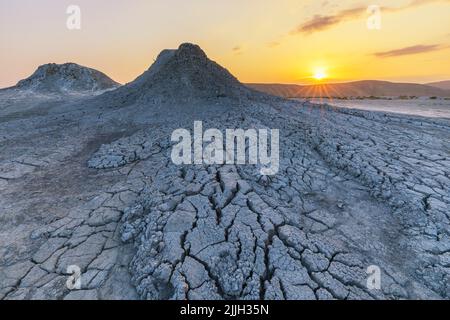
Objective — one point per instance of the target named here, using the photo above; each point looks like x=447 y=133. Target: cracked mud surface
x=89 y=182
x=347 y=196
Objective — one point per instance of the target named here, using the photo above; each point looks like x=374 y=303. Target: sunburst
x=320 y=74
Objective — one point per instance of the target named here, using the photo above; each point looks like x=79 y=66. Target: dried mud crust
x=346 y=197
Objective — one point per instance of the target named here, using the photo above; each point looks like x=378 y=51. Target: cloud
x=409 y=50
x=323 y=22
x=237 y=50
x=319 y=23
x=273 y=44
x=420 y=2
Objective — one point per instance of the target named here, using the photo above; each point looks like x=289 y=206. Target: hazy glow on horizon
x=284 y=41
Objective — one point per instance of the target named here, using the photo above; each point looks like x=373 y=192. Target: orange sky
x=257 y=40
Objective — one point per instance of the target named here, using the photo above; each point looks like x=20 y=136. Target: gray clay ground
x=88 y=180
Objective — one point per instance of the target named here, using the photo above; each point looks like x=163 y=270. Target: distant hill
x=67 y=77
x=445 y=85
x=365 y=88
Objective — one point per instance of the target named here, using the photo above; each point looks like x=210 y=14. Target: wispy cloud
x=273 y=44
x=409 y=50
x=319 y=23
x=420 y=2
x=323 y=22
x=237 y=49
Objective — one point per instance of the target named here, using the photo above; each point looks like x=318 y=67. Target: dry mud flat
x=90 y=182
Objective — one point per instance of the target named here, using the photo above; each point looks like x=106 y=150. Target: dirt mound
x=183 y=74
x=66 y=77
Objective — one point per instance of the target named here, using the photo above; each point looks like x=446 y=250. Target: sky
x=266 y=41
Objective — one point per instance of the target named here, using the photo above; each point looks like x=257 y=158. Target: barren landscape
x=86 y=179
x=423 y=106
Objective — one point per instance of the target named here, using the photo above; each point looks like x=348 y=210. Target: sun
x=319 y=74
